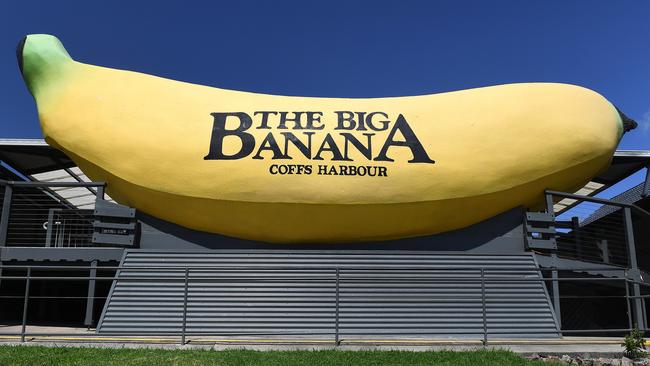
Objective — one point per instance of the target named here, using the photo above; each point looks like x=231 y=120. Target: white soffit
x=80 y=197
x=588 y=190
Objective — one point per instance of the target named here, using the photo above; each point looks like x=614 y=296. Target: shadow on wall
x=500 y=234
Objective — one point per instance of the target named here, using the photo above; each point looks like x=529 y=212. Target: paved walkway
x=82 y=337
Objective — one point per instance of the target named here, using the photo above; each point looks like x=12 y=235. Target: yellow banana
x=297 y=169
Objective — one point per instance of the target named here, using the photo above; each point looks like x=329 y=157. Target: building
x=72 y=256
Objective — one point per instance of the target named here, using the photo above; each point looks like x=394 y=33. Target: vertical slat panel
x=381 y=294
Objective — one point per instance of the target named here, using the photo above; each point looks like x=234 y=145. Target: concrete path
x=82 y=337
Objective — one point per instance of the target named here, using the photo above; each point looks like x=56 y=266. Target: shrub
x=634 y=344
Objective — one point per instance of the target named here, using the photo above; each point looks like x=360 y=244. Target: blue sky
x=345 y=48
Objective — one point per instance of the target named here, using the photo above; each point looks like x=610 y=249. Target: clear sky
x=345 y=48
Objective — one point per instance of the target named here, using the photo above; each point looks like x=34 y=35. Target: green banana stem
x=42 y=60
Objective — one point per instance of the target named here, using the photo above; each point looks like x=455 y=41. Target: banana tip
x=628 y=123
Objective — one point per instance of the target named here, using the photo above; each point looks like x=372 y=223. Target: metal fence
x=584 y=237
x=590 y=229
x=598 y=230
x=44 y=214
x=332 y=310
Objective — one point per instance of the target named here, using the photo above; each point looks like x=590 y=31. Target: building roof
x=32 y=156
x=624 y=163
x=631 y=196
x=35 y=160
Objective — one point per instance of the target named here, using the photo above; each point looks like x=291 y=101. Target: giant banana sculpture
x=297 y=169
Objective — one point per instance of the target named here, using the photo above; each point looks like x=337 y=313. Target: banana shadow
x=501 y=234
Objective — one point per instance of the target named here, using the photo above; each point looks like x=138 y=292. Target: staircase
x=317 y=294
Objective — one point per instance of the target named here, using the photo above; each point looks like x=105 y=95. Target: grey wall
x=500 y=234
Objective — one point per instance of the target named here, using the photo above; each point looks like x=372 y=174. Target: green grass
x=37 y=355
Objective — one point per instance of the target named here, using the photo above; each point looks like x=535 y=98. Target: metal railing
x=485 y=289
x=42 y=213
x=596 y=230
x=590 y=229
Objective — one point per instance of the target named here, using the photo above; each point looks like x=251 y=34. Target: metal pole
x=50 y=227
x=100 y=193
x=21 y=183
x=187 y=279
x=627 y=300
x=4 y=219
x=555 y=285
x=603 y=201
x=485 y=337
x=575 y=227
x=90 y=299
x=25 y=302
x=556 y=297
x=634 y=269
x=336 y=310
x=645 y=316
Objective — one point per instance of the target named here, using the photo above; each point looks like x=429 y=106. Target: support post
x=50 y=227
x=25 y=303
x=336 y=309
x=633 y=273
x=556 y=297
x=555 y=284
x=4 y=219
x=630 y=324
x=575 y=227
x=100 y=193
x=90 y=299
x=187 y=280
x=485 y=336
x=645 y=315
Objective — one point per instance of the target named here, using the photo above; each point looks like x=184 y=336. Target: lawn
x=36 y=355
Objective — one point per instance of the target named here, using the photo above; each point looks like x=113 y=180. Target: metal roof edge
x=633 y=153
x=23 y=142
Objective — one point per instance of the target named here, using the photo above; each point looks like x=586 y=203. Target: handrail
x=303 y=267
x=320 y=279
x=17 y=183
x=482 y=326
x=603 y=201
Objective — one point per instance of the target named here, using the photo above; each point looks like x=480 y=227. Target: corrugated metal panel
x=381 y=294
